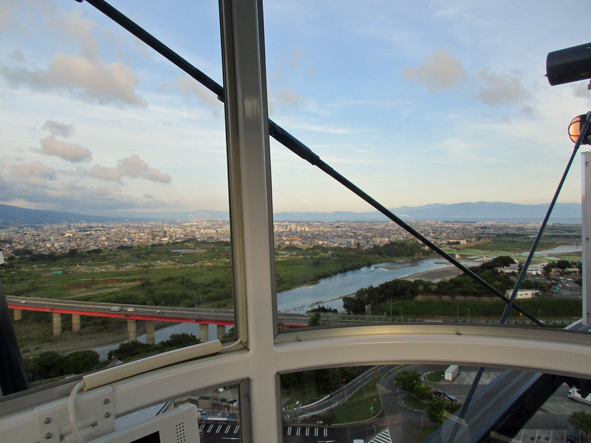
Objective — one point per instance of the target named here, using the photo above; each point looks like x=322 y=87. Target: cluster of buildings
x=60 y=238
x=368 y=234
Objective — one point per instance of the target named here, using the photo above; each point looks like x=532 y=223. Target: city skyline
x=417 y=103
x=84 y=237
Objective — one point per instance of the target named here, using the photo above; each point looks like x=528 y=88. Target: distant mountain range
x=468 y=212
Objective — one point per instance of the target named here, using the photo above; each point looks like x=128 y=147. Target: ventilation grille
x=180 y=433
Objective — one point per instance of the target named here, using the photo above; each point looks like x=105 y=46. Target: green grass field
x=436 y=376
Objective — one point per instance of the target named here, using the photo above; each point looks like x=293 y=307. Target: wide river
x=329 y=291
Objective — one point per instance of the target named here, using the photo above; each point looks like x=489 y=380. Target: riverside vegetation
x=185 y=274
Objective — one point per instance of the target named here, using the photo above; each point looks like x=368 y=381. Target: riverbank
x=35 y=338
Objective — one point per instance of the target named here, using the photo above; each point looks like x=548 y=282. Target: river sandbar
x=434 y=275
x=399 y=265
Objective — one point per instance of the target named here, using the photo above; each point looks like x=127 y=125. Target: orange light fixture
x=574 y=129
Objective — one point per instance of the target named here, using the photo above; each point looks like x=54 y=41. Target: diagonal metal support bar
x=289 y=141
x=157 y=46
x=306 y=153
x=523 y=273
x=580 y=140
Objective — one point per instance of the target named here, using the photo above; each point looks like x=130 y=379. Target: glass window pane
x=415 y=403
x=115 y=229
x=400 y=100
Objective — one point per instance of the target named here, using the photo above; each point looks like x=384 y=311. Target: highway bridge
x=133 y=313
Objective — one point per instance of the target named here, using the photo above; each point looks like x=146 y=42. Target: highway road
x=340 y=395
x=186 y=315
x=139 y=312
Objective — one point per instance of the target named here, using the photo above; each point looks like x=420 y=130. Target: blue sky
x=417 y=102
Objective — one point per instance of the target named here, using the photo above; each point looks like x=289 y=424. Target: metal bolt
x=47 y=420
x=48 y=436
x=107 y=414
x=106 y=401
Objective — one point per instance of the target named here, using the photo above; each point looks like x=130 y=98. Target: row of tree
x=437 y=409
x=25 y=254
x=134 y=349
x=396 y=290
x=49 y=364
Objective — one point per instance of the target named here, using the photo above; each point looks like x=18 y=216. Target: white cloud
x=17 y=54
x=135 y=167
x=68 y=151
x=132 y=167
x=284 y=99
x=440 y=70
x=297 y=55
x=56 y=128
x=73 y=25
x=86 y=79
x=5 y=17
x=34 y=183
x=323 y=129
x=34 y=171
x=104 y=173
x=157 y=176
x=580 y=90
x=501 y=89
x=70 y=196
x=191 y=87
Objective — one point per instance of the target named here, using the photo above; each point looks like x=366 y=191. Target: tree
x=407 y=380
x=80 y=361
x=582 y=421
x=231 y=333
x=129 y=350
x=323 y=309
x=354 y=305
x=423 y=392
x=49 y=365
x=436 y=410
x=180 y=341
x=315 y=319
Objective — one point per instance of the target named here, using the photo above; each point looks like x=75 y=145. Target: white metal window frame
x=260 y=354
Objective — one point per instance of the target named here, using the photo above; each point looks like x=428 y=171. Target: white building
x=524 y=293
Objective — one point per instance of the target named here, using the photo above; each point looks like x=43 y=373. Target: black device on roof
x=569 y=64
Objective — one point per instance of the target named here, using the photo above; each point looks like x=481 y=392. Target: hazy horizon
x=426 y=102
